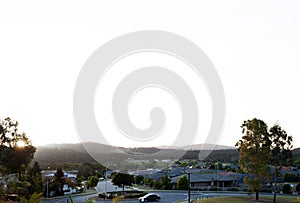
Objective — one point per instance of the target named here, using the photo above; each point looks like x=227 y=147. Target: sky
x=254 y=46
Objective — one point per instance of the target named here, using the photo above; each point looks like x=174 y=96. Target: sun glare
x=20 y=143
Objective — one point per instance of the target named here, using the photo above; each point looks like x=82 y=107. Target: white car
x=151 y=197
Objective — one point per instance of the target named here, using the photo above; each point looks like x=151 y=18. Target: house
x=49 y=174
x=108 y=173
x=205 y=181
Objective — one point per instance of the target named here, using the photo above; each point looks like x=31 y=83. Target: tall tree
x=16 y=150
x=122 y=179
x=281 y=154
x=254 y=149
x=36 y=179
x=58 y=181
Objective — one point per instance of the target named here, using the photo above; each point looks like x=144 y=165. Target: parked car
x=151 y=197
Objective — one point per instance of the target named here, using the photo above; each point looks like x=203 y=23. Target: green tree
x=219 y=166
x=79 y=180
x=139 y=180
x=16 y=150
x=18 y=187
x=86 y=170
x=149 y=182
x=166 y=182
x=182 y=183
x=122 y=180
x=281 y=154
x=93 y=181
x=36 y=179
x=254 y=149
x=157 y=184
x=58 y=182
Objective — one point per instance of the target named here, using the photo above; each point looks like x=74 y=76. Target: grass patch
x=263 y=199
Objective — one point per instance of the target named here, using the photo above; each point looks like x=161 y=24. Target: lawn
x=263 y=199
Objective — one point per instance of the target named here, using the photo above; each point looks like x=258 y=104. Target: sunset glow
x=21 y=143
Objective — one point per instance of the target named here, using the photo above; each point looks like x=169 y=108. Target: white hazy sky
x=254 y=45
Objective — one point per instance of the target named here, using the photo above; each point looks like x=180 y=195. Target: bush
x=286 y=189
x=298 y=188
x=214 y=189
x=93 y=181
x=290 y=177
x=182 y=183
x=233 y=189
x=101 y=195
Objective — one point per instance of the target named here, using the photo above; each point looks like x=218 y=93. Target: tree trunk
x=256 y=194
x=274 y=197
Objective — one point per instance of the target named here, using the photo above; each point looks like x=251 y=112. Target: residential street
x=166 y=197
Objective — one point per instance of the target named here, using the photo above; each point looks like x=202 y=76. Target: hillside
x=60 y=154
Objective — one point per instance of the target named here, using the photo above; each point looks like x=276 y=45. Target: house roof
x=152 y=174
x=198 y=178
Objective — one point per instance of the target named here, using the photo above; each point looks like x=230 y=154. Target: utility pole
x=189 y=188
x=106 y=183
x=189 y=184
x=47 y=187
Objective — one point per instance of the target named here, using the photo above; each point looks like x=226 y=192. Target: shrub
x=298 y=188
x=233 y=189
x=286 y=189
x=214 y=189
x=93 y=181
x=101 y=195
x=290 y=177
x=182 y=183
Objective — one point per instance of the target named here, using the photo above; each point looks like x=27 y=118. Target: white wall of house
x=107 y=186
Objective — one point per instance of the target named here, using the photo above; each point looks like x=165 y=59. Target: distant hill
x=92 y=146
x=205 y=146
x=296 y=153
x=60 y=154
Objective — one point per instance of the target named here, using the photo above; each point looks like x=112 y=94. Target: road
x=166 y=197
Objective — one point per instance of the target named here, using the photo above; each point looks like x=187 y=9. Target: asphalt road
x=166 y=197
